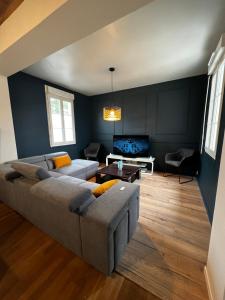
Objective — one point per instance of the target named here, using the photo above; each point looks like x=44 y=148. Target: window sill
x=210 y=153
x=63 y=144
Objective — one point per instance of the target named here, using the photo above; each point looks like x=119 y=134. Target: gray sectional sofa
x=80 y=168
x=63 y=206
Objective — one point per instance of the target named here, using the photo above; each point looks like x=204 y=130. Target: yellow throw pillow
x=62 y=161
x=102 y=188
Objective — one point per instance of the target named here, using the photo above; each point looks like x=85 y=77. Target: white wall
x=216 y=257
x=8 y=149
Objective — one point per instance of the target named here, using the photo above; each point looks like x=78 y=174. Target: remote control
x=122 y=188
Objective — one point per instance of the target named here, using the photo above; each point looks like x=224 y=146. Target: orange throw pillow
x=102 y=188
x=62 y=161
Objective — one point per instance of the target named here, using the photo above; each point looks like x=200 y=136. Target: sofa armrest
x=108 y=225
x=106 y=208
x=8 y=173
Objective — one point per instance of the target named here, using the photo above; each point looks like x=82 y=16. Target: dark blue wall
x=171 y=113
x=27 y=94
x=209 y=171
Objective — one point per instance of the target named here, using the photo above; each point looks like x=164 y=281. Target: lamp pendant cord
x=112 y=81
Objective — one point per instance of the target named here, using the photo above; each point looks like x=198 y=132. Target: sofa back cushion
x=49 y=158
x=30 y=171
x=36 y=160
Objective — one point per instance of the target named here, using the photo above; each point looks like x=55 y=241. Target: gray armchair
x=92 y=151
x=185 y=161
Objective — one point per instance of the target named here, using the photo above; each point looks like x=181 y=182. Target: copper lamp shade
x=112 y=113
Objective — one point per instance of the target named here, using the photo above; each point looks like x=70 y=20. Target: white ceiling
x=164 y=40
x=55 y=24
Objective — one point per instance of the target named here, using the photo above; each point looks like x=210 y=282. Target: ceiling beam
x=7 y=7
x=70 y=22
x=26 y=17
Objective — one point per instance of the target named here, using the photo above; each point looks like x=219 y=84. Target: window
x=60 y=111
x=215 y=105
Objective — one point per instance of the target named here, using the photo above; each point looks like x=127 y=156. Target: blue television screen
x=131 y=145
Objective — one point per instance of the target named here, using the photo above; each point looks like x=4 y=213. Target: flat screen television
x=131 y=145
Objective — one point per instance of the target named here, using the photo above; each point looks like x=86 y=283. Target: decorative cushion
x=31 y=171
x=102 y=188
x=62 y=161
x=50 y=162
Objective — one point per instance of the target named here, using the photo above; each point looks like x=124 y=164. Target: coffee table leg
x=152 y=168
x=98 y=178
x=139 y=174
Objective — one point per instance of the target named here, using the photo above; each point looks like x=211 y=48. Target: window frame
x=209 y=125
x=51 y=92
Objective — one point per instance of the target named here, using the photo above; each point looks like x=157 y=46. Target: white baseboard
x=208 y=284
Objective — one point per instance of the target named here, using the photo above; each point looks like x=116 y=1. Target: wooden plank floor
x=34 y=266
x=165 y=258
x=169 y=249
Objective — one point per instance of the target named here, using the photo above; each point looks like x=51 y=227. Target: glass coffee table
x=128 y=173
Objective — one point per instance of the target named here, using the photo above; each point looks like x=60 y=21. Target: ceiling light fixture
x=112 y=112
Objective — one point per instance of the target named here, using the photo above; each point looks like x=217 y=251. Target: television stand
x=141 y=162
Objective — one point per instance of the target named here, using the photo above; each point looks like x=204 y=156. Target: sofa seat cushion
x=88 y=164
x=55 y=174
x=64 y=193
x=90 y=185
x=74 y=170
x=70 y=179
x=86 y=184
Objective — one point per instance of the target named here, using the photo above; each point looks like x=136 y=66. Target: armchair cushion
x=178 y=159
x=174 y=163
x=176 y=156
